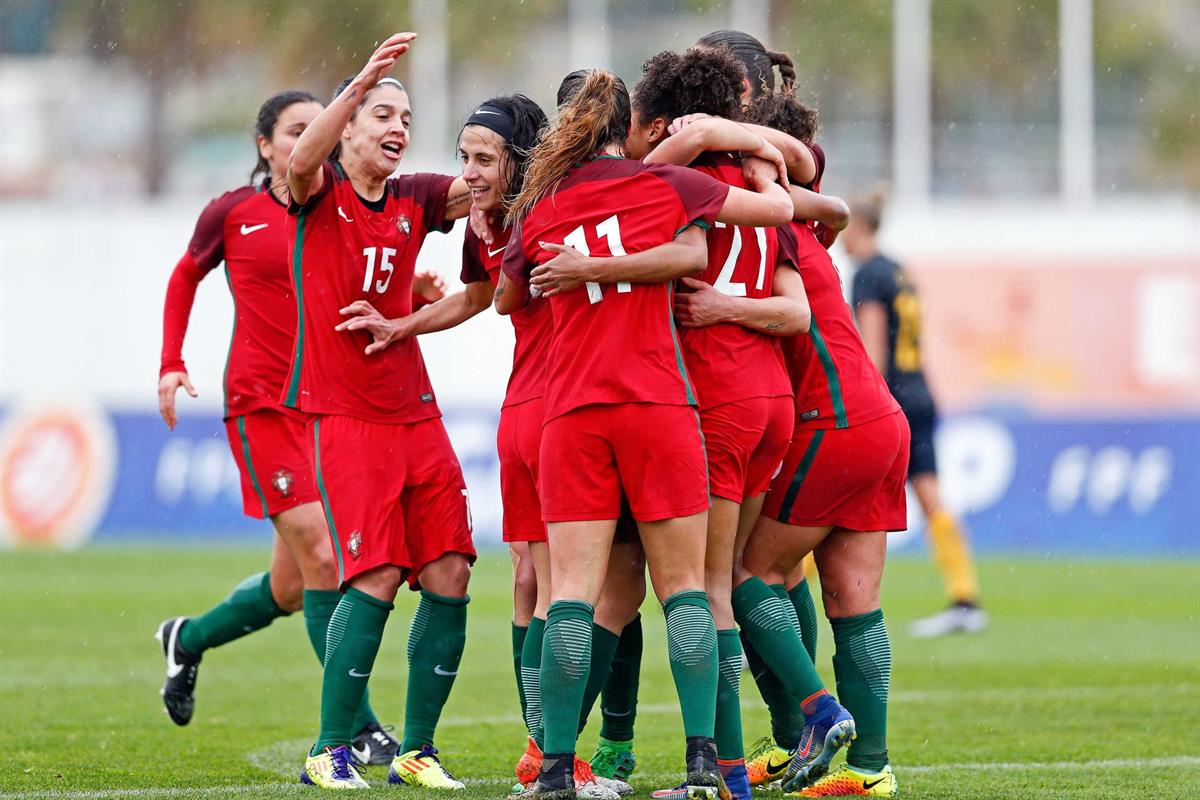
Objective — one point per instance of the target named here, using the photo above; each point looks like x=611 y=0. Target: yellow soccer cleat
x=422 y=768
x=845 y=781
x=333 y=768
x=766 y=762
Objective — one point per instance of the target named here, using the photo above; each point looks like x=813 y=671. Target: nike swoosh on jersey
x=356 y=674
x=342 y=214
x=492 y=252
x=439 y=671
x=173 y=669
x=248 y=229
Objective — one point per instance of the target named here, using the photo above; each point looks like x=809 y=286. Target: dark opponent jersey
x=882 y=280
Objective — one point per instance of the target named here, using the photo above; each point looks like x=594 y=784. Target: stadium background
x=1044 y=165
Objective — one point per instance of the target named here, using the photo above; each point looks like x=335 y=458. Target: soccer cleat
x=589 y=786
x=845 y=781
x=828 y=730
x=374 y=745
x=766 y=762
x=734 y=775
x=555 y=781
x=613 y=759
x=958 y=618
x=422 y=768
x=333 y=768
x=529 y=764
x=179 y=689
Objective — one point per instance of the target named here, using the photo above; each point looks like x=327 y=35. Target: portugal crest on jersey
x=282 y=482
x=355 y=544
x=403 y=225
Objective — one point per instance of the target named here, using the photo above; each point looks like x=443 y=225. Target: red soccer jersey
x=614 y=343
x=836 y=384
x=533 y=325
x=344 y=248
x=245 y=228
x=729 y=362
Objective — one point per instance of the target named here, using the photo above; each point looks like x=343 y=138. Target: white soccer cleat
x=956 y=619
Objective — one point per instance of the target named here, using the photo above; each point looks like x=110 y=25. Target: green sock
x=770 y=627
x=566 y=659
x=604 y=647
x=729 y=701
x=806 y=614
x=786 y=720
x=618 y=699
x=518 y=643
x=318 y=608
x=248 y=608
x=862 y=663
x=531 y=668
x=355 y=630
x=435 y=648
x=692 y=651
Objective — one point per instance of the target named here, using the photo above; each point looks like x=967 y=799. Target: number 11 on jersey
x=609 y=229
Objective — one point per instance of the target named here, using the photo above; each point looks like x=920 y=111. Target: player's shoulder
x=220 y=207
x=878 y=267
x=418 y=184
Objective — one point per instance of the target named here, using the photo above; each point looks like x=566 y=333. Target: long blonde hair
x=596 y=116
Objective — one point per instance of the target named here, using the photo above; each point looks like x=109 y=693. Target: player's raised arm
x=322 y=135
x=688 y=141
x=686 y=255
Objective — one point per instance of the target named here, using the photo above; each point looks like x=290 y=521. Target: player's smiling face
x=377 y=137
x=487 y=169
x=291 y=123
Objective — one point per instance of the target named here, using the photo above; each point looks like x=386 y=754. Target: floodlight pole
x=912 y=82
x=1076 y=128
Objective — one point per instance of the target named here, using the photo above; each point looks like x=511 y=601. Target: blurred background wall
x=1043 y=159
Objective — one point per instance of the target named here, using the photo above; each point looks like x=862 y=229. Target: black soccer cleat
x=375 y=745
x=179 y=689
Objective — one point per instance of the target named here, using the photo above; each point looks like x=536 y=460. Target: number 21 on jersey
x=609 y=230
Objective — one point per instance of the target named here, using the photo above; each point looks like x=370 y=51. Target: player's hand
x=429 y=284
x=364 y=317
x=381 y=62
x=679 y=123
x=480 y=222
x=701 y=307
x=167 y=386
x=759 y=173
x=568 y=270
x=770 y=153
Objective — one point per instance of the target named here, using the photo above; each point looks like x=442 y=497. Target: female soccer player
x=759 y=62
x=730 y=318
x=839 y=492
x=618 y=399
x=889 y=319
x=390 y=483
x=245 y=228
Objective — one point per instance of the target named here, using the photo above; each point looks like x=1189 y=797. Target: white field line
x=168 y=792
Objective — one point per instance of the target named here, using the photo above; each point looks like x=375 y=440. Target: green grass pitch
x=1087 y=685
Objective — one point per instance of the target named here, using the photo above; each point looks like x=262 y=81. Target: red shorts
x=393 y=494
x=518 y=441
x=271 y=455
x=851 y=478
x=746 y=441
x=652 y=452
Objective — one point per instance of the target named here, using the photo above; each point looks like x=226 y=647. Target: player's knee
x=848 y=597
x=448 y=575
x=287 y=591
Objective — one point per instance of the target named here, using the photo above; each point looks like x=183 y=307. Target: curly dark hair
x=757 y=59
x=530 y=122
x=784 y=112
x=701 y=80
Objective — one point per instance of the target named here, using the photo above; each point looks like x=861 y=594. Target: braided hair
x=759 y=62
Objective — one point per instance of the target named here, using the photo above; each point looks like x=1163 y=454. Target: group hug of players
x=689 y=393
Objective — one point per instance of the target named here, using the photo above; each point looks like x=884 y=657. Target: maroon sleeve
x=207 y=247
x=702 y=197
x=181 y=293
x=516 y=265
x=330 y=175
x=819 y=157
x=789 y=248
x=473 y=270
x=430 y=191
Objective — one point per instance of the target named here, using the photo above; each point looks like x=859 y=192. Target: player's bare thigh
x=719 y=559
x=624 y=587
x=448 y=575
x=675 y=553
x=775 y=548
x=579 y=551
x=851 y=567
x=306 y=536
x=524 y=583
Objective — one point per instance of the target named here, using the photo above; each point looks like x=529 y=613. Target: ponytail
x=787 y=69
x=596 y=116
